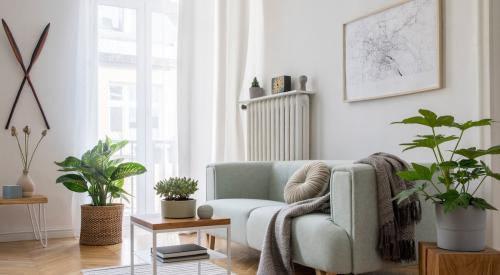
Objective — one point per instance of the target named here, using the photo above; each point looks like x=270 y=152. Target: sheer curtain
x=238 y=58
x=85 y=97
x=127 y=89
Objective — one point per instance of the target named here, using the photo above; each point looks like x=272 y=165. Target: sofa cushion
x=238 y=210
x=310 y=181
x=316 y=241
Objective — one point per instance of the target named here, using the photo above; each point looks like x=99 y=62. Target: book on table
x=182 y=250
x=183 y=258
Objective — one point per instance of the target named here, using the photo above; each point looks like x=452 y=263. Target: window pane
x=117 y=78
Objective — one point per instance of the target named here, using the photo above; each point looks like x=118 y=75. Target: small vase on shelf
x=27 y=153
x=26 y=184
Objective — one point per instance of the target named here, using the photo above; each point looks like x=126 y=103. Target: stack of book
x=183 y=252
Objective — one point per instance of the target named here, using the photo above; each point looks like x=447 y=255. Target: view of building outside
x=137 y=90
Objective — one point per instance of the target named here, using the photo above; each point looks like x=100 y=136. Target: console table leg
x=39 y=231
x=43 y=238
x=32 y=222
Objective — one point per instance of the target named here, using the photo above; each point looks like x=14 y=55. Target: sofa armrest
x=354 y=208
x=248 y=180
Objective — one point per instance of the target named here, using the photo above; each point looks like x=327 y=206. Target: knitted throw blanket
x=276 y=255
x=397 y=222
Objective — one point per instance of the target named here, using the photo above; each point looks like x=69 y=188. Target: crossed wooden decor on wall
x=34 y=57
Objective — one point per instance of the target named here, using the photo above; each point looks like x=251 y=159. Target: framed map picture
x=394 y=51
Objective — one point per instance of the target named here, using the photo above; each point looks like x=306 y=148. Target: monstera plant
x=453 y=180
x=102 y=177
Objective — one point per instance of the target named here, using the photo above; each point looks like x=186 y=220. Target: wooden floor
x=66 y=256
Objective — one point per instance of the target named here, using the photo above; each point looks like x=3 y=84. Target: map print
x=393 y=51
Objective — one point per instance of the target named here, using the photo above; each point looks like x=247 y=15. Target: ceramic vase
x=26 y=184
x=461 y=229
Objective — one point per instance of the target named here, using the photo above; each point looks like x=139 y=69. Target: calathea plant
x=98 y=174
x=455 y=172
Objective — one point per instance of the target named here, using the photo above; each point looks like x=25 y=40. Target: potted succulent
x=452 y=181
x=176 y=192
x=255 y=89
x=102 y=177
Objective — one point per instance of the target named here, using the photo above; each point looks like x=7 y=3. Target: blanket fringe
x=408 y=214
x=392 y=249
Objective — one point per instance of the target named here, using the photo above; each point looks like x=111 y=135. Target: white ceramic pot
x=178 y=209
x=461 y=229
x=26 y=184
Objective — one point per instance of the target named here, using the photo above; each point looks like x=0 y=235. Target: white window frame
x=144 y=183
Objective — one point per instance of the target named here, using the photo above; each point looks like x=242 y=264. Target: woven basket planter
x=101 y=225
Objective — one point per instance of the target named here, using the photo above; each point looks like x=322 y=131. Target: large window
x=137 y=88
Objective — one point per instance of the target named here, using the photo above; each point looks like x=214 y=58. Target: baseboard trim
x=28 y=235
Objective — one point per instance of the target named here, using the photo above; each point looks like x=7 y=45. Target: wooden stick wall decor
x=26 y=71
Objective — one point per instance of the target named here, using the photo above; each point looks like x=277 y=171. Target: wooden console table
x=437 y=261
x=38 y=223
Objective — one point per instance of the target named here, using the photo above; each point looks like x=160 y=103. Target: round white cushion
x=310 y=181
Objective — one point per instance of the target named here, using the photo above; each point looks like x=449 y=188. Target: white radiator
x=278 y=127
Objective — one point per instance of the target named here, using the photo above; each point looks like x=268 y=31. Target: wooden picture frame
x=402 y=83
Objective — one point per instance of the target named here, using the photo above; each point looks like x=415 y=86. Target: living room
x=270 y=137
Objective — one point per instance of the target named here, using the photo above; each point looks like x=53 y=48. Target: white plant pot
x=461 y=229
x=178 y=209
x=26 y=184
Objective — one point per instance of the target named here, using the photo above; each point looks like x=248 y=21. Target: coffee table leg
x=198 y=242
x=228 y=254
x=131 y=248
x=153 y=254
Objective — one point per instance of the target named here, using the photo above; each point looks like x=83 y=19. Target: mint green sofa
x=342 y=242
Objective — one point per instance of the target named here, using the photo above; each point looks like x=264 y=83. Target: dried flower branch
x=25 y=152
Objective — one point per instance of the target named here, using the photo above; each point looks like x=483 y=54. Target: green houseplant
x=176 y=194
x=452 y=181
x=102 y=177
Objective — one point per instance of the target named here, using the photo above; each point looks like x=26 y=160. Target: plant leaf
x=428 y=141
x=69 y=162
x=488 y=171
x=481 y=203
x=127 y=169
x=75 y=187
x=469 y=124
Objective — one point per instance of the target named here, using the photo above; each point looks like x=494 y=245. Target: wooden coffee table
x=155 y=224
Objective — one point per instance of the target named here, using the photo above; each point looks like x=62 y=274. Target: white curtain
x=238 y=58
x=85 y=101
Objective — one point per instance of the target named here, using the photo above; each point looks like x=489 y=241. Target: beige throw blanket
x=396 y=222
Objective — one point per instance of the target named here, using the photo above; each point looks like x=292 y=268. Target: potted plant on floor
x=453 y=180
x=176 y=192
x=102 y=177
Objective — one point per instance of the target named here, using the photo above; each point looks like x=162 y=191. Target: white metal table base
x=198 y=240
x=39 y=224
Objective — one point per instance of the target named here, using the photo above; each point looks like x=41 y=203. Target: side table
x=38 y=223
x=155 y=224
x=437 y=261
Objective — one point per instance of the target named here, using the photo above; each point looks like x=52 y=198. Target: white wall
x=305 y=37
x=53 y=76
